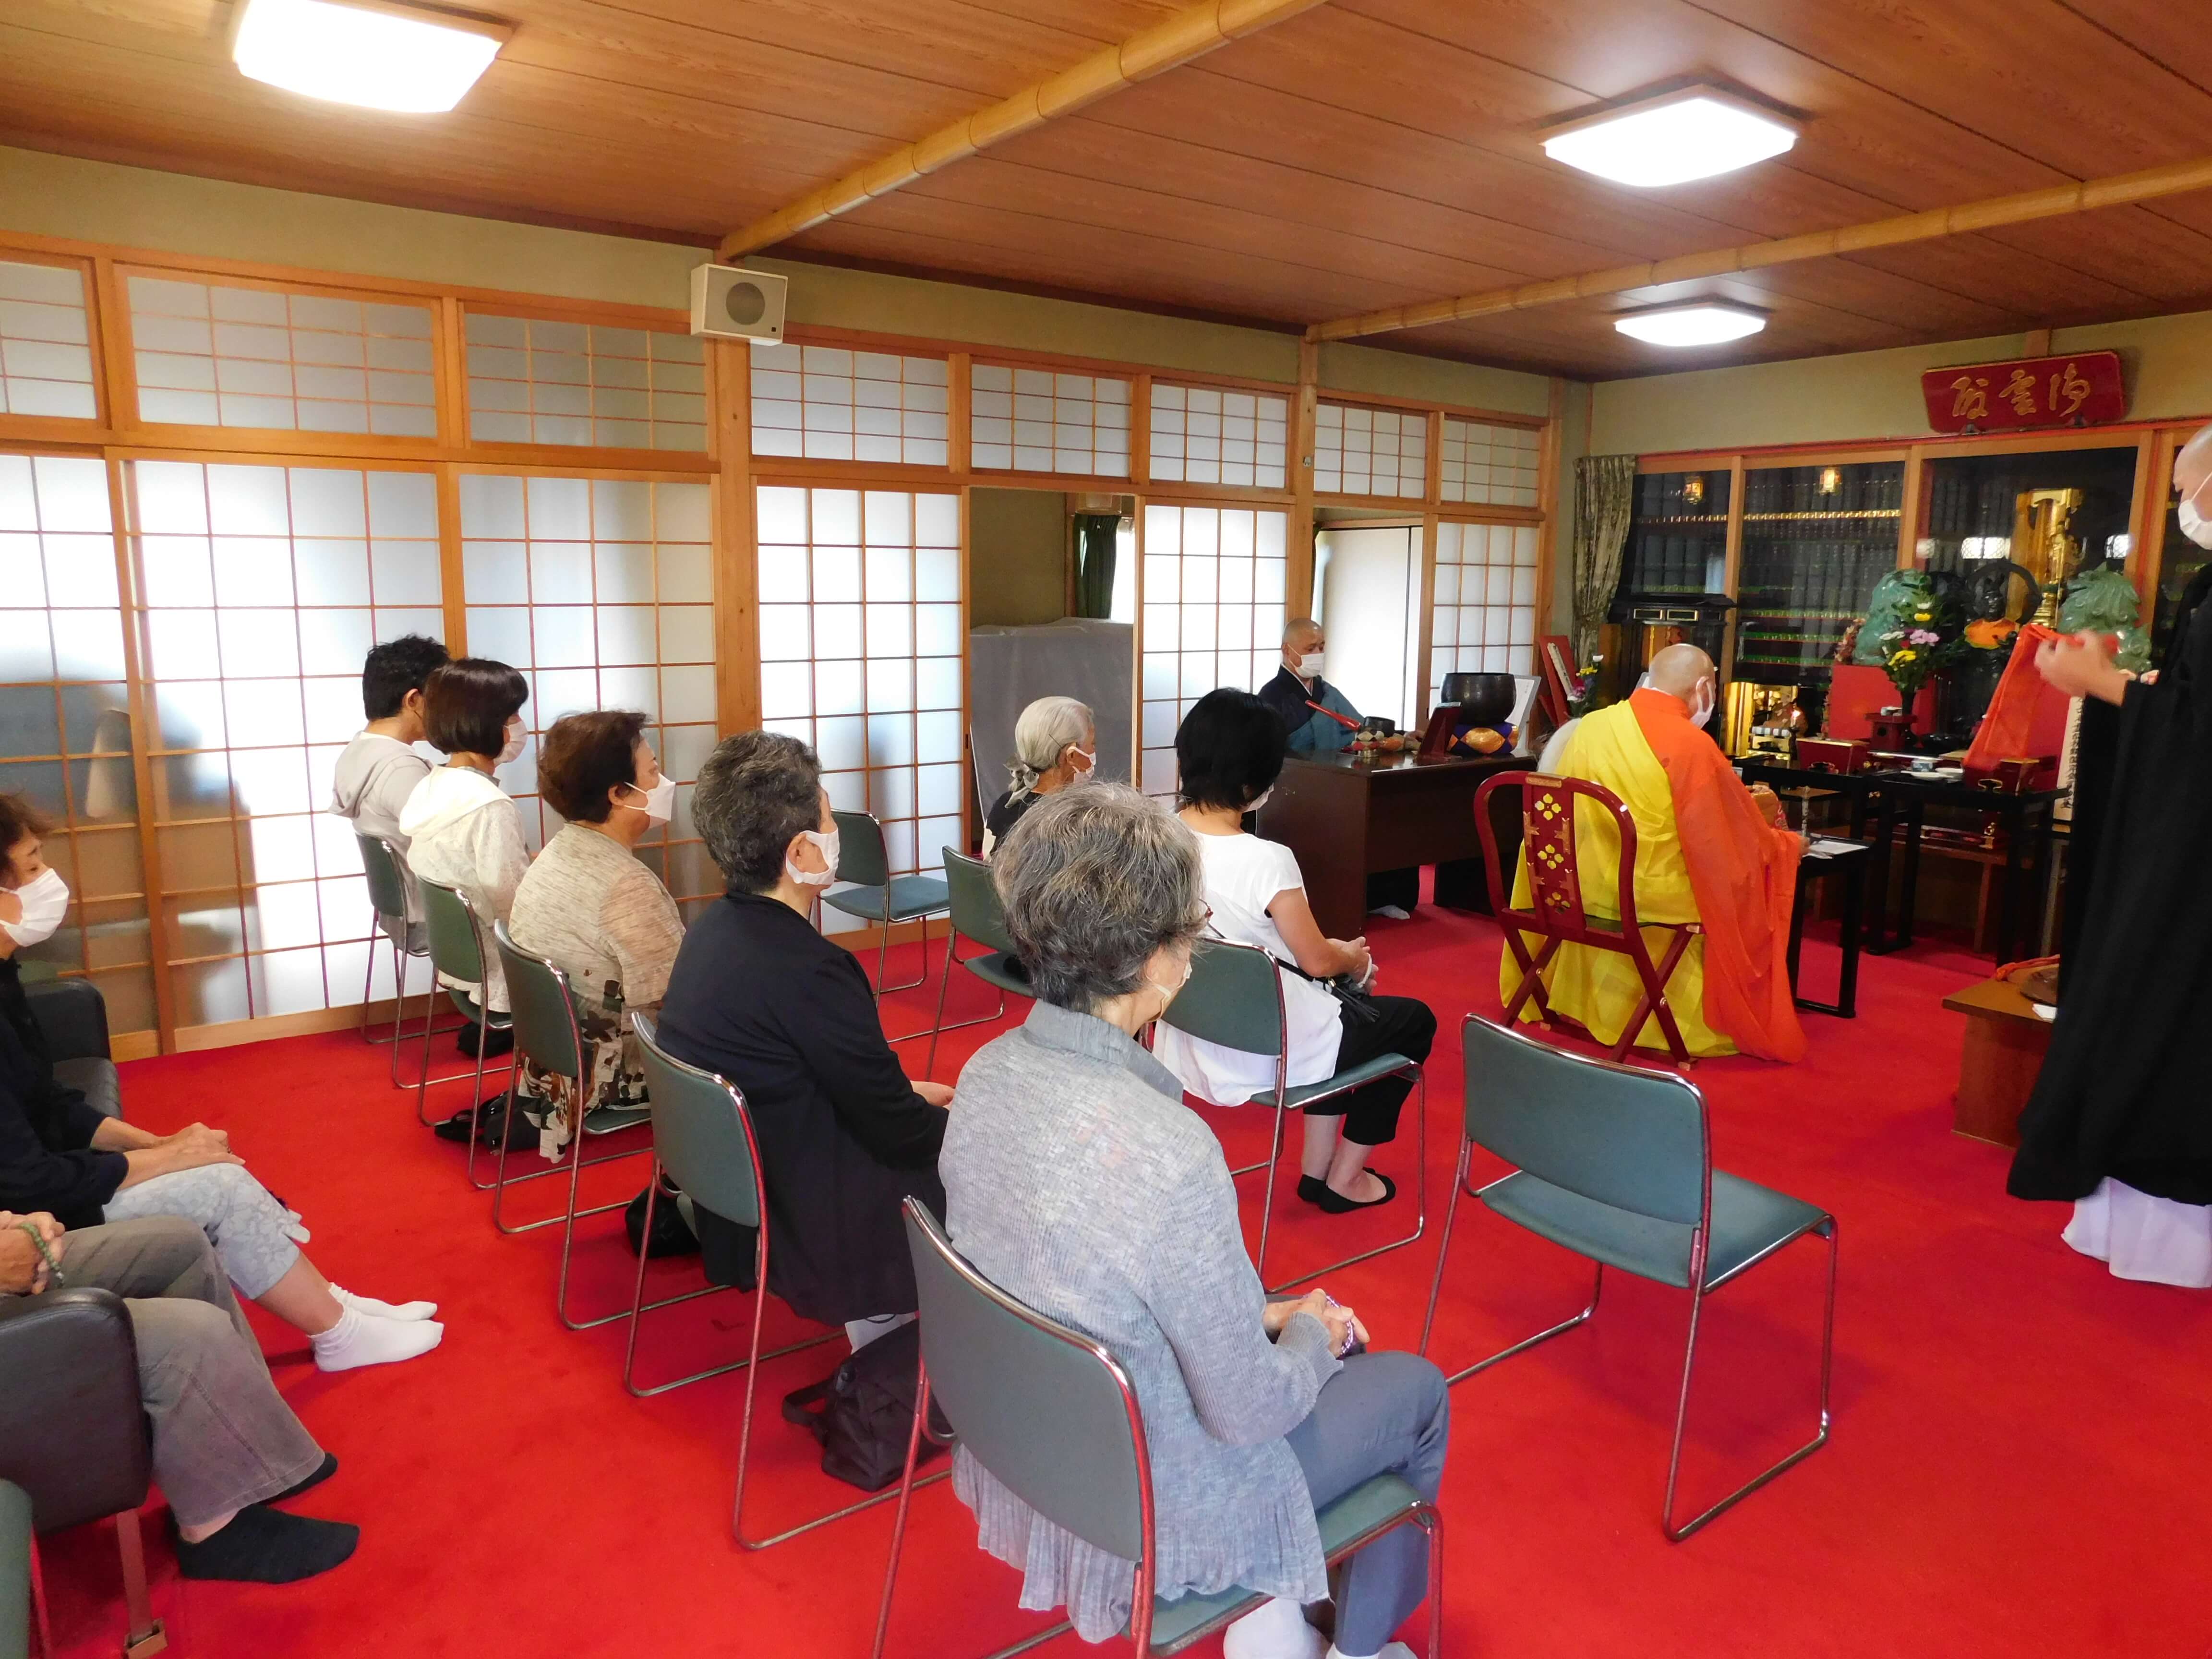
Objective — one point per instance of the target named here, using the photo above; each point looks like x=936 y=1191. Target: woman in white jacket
x=462 y=829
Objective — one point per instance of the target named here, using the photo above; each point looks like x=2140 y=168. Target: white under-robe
x=2161 y=1241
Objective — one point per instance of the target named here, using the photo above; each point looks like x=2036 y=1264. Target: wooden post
x=736 y=550
x=959 y=403
x=1551 y=487
x=1732 y=561
x=1914 y=506
x=144 y=734
x=2147 y=517
x=1298 y=579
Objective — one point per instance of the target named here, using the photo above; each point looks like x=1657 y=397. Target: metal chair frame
x=884 y=923
x=1425 y=1516
x=750 y=1364
x=574 y=1157
x=1699 y=1289
x=1548 y=848
x=379 y=927
x=952 y=937
x=1329 y=1092
x=487 y=1021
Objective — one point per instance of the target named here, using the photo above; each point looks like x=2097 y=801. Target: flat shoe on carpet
x=323 y=1471
x=1335 y=1203
x=262 y=1546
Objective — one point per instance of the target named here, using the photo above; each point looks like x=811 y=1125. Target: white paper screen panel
x=264 y=587
x=1032 y=420
x=862 y=628
x=45 y=360
x=827 y=404
x=1212 y=616
x=1493 y=463
x=601 y=592
x=208 y=354
x=534 y=381
x=1369 y=452
x=1206 y=435
x=1484 y=615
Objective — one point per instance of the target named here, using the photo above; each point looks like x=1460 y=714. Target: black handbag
x=862 y=1414
x=671 y=1233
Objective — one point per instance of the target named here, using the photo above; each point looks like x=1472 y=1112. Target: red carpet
x=2021 y=1465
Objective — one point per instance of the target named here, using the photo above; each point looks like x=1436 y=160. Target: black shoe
x=496 y=1043
x=262 y=1546
x=322 y=1471
x=1335 y=1203
x=1311 y=1188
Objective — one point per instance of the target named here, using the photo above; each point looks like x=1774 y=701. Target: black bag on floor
x=863 y=1411
x=671 y=1234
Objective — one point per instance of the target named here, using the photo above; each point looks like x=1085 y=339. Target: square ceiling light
x=374 y=54
x=1701 y=322
x=1694 y=133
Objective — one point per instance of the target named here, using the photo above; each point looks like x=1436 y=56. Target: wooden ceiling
x=1366 y=153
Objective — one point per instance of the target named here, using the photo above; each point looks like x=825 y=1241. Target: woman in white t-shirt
x=1229 y=751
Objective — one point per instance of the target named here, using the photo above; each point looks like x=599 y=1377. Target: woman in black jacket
x=760 y=998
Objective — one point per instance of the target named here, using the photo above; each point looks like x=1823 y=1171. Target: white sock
x=358 y=1340
x=1275 y=1630
x=1390 y=1650
x=369 y=1305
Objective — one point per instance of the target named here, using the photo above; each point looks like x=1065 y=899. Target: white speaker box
x=728 y=303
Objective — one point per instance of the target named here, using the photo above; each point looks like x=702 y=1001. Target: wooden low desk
x=2006 y=1041
x=1348 y=818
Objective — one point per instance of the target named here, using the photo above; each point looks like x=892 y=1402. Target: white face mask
x=659 y=800
x=1262 y=801
x=517 y=735
x=1089 y=757
x=2194 y=525
x=1309 y=666
x=1171 y=992
x=1702 y=710
x=827 y=845
x=45 y=899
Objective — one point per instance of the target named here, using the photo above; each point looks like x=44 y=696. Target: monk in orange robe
x=1707 y=851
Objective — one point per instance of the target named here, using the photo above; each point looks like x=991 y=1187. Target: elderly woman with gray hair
x=1056 y=743
x=761 y=998
x=1077 y=1180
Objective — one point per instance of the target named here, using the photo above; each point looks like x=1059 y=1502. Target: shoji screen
x=1205 y=436
x=65 y=719
x=1032 y=420
x=862 y=623
x=1211 y=608
x=1497 y=463
x=1485 y=615
x=601 y=592
x=46 y=354
x=535 y=381
x=1370 y=452
x=829 y=403
x=264 y=587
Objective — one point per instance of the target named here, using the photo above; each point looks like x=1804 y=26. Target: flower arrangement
x=1922 y=642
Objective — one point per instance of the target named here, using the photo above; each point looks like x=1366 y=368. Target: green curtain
x=1605 y=502
x=1096 y=535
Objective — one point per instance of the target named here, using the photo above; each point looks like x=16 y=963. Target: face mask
x=517 y=734
x=1702 y=712
x=1088 y=758
x=659 y=800
x=45 y=902
x=1256 y=805
x=1309 y=666
x=1171 y=992
x=827 y=845
x=2194 y=525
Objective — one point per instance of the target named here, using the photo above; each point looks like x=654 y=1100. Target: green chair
x=455 y=935
x=976 y=915
x=1614 y=1163
x=1235 y=998
x=546 y=1030
x=876 y=895
x=702 y=1141
x=16 y=1546
x=387 y=875
x=1054 y=1417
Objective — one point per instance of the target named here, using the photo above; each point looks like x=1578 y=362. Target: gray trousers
x=1383 y=1414
x=223 y=1436
x=248 y=1227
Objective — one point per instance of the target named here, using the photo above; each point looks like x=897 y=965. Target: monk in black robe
x=2121 y=1118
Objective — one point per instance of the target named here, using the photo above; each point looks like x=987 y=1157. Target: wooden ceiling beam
x=1191 y=33
x=2056 y=202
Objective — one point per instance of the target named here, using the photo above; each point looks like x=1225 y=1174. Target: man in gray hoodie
x=381 y=767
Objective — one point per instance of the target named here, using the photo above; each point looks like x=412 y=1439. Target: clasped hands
x=1341 y=1322
x=23 y=1270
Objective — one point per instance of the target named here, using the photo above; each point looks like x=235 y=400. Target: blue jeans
x=1383 y=1414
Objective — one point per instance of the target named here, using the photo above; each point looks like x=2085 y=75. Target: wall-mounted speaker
x=728 y=303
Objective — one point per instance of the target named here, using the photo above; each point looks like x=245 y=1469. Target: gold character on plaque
x=2020 y=393
x=1972 y=403
x=2072 y=388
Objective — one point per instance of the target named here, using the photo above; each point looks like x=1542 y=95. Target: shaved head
x=1299 y=633
x=1680 y=669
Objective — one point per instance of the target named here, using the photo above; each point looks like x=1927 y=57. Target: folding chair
x=1235 y=998
x=456 y=940
x=877 y=895
x=386 y=874
x=1559 y=916
x=1053 y=1417
x=977 y=914
x=546 y=1030
x=1615 y=1164
x=16 y=1599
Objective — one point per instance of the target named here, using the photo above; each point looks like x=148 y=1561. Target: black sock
x=262 y=1546
x=321 y=1473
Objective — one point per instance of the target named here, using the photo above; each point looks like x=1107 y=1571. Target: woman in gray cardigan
x=1076 y=1180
